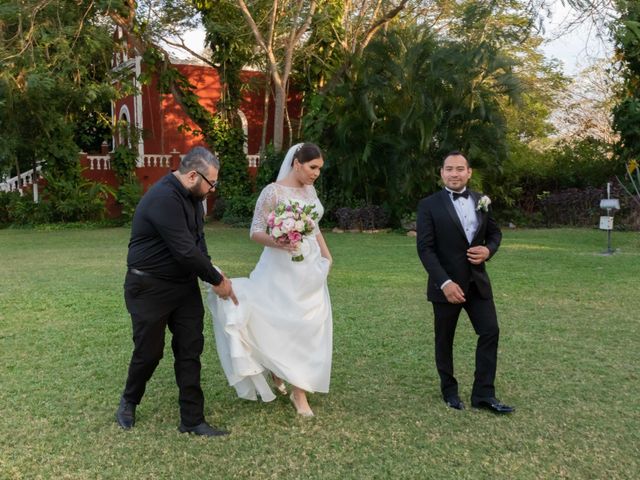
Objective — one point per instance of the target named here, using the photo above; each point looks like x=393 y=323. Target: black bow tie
x=457 y=195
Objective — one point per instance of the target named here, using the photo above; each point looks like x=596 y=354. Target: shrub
x=218 y=208
x=345 y=218
x=581 y=207
x=269 y=167
x=22 y=210
x=74 y=200
x=5 y=201
x=238 y=210
x=368 y=217
x=128 y=196
x=123 y=163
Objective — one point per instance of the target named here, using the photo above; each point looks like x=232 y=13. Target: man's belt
x=135 y=271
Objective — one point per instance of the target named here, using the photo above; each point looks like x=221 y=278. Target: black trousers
x=482 y=313
x=153 y=305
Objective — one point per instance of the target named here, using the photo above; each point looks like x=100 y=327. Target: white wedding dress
x=283 y=322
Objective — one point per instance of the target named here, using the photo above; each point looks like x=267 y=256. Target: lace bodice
x=275 y=193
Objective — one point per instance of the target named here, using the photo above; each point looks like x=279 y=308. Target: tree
x=54 y=64
x=220 y=130
x=285 y=31
x=626 y=114
x=408 y=100
x=585 y=106
x=278 y=37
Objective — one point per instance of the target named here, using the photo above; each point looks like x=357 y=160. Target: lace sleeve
x=264 y=205
x=319 y=209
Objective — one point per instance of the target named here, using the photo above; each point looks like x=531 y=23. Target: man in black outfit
x=167 y=254
x=456 y=236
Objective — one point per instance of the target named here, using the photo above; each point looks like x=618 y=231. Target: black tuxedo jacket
x=442 y=245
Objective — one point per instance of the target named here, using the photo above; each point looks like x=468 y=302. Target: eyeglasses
x=212 y=185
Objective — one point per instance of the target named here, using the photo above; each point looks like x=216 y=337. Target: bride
x=283 y=321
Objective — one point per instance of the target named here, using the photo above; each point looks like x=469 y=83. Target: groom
x=456 y=236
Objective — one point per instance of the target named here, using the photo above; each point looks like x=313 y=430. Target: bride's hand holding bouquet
x=289 y=223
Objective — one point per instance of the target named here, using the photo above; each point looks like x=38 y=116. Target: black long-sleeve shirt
x=167 y=235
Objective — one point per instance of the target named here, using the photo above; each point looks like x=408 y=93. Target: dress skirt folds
x=283 y=324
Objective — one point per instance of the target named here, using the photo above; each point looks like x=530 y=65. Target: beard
x=195 y=193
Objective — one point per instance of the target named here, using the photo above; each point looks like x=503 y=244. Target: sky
x=576 y=49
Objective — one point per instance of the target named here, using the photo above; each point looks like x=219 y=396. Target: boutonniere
x=483 y=203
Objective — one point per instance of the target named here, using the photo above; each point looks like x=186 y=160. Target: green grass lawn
x=569 y=361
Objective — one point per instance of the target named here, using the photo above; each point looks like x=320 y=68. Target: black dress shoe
x=492 y=404
x=454 y=402
x=203 y=429
x=126 y=414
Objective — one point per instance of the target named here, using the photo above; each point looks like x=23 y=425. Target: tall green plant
x=70 y=200
x=123 y=163
x=626 y=114
x=409 y=100
x=220 y=131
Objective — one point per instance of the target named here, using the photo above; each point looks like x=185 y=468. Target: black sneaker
x=126 y=414
x=454 y=402
x=203 y=429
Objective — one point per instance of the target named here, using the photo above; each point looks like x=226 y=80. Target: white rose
x=288 y=224
x=276 y=232
x=299 y=226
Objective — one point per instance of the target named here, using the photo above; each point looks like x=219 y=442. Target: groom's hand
x=453 y=292
x=478 y=254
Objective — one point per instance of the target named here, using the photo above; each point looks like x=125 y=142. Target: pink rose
x=294 y=237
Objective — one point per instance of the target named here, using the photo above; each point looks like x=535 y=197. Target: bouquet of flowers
x=289 y=223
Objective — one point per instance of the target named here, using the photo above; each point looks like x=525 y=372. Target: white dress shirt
x=466 y=210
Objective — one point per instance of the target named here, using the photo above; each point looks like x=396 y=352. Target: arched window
x=245 y=130
x=124 y=126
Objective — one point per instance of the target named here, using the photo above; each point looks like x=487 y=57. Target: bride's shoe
x=279 y=385
x=302 y=412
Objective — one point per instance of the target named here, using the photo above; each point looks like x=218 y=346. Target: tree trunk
x=301 y=116
x=278 y=117
x=288 y=118
x=289 y=128
x=265 y=116
x=18 y=172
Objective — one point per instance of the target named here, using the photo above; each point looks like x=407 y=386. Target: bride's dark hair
x=307 y=152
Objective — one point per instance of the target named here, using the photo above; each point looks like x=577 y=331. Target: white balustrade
x=103 y=162
x=99 y=162
x=157 y=161
x=16 y=183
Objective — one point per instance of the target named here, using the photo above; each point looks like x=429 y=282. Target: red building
x=160 y=118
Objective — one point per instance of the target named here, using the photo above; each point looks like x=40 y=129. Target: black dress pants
x=482 y=313
x=153 y=305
